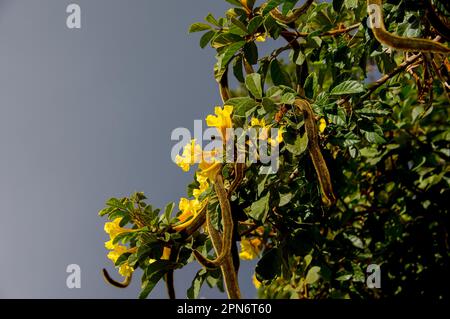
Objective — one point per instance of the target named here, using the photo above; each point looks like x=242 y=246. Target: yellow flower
x=119 y=250
x=192 y=153
x=222 y=120
x=109 y=244
x=166 y=253
x=209 y=170
x=250 y=248
x=260 y=37
x=204 y=184
x=189 y=209
x=322 y=125
x=279 y=137
x=256 y=282
x=264 y=132
x=257 y=122
x=263 y=135
x=125 y=270
x=113 y=229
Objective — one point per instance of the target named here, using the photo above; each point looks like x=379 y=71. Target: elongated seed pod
x=375 y=10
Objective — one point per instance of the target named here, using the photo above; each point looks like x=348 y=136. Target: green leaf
x=253 y=84
x=229 y=53
x=117 y=205
x=237 y=69
x=300 y=59
x=288 y=98
x=287 y=6
x=168 y=211
x=344 y=277
x=260 y=208
x=198 y=27
x=356 y=241
x=338 y=117
x=206 y=38
x=300 y=145
x=347 y=87
x=240 y=25
x=269 y=105
x=241 y=105
x=225 y=39
x=285 y=199
x=251 y=52
x=150 y=283
x=277 y=74
x=262 y=184
x=271 y=5
x=311 y=85
x=313 y=275
x=308 y=259
x=351 y=4
x=197 y=282
x=350 y=139
x=210 y=18
x=373 y=112
x=254 y=24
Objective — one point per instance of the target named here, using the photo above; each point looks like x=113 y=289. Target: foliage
x=386 y=144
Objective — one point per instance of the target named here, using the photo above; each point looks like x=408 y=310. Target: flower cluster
x=113 y=229
x=208 y=167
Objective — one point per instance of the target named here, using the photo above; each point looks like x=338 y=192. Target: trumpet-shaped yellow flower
x=222 y=120
x=125 y=270
x=113 y=228
x=119 y=250
x=209 y=170
x=204 y=184
x=322 y=125
x=189 y=210
x=192 y=153
x=250 y=248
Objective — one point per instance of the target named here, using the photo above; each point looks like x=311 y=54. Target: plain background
x=86 y=115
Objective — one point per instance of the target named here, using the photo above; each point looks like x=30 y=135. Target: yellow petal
x=125 y=270
x=322 y=125
x=228 y=109
x=254 y=122
x=250 y=249
x=256 y=282
x=109 y=245
x=166 y=253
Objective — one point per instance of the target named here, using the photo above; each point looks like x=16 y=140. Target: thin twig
x=333 y=32
x=375 y=85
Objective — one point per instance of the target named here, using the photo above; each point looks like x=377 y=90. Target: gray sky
x=87 y=115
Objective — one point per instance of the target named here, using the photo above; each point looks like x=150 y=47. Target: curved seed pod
x=375 y=9
x=125 y=283
x=320 y=165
